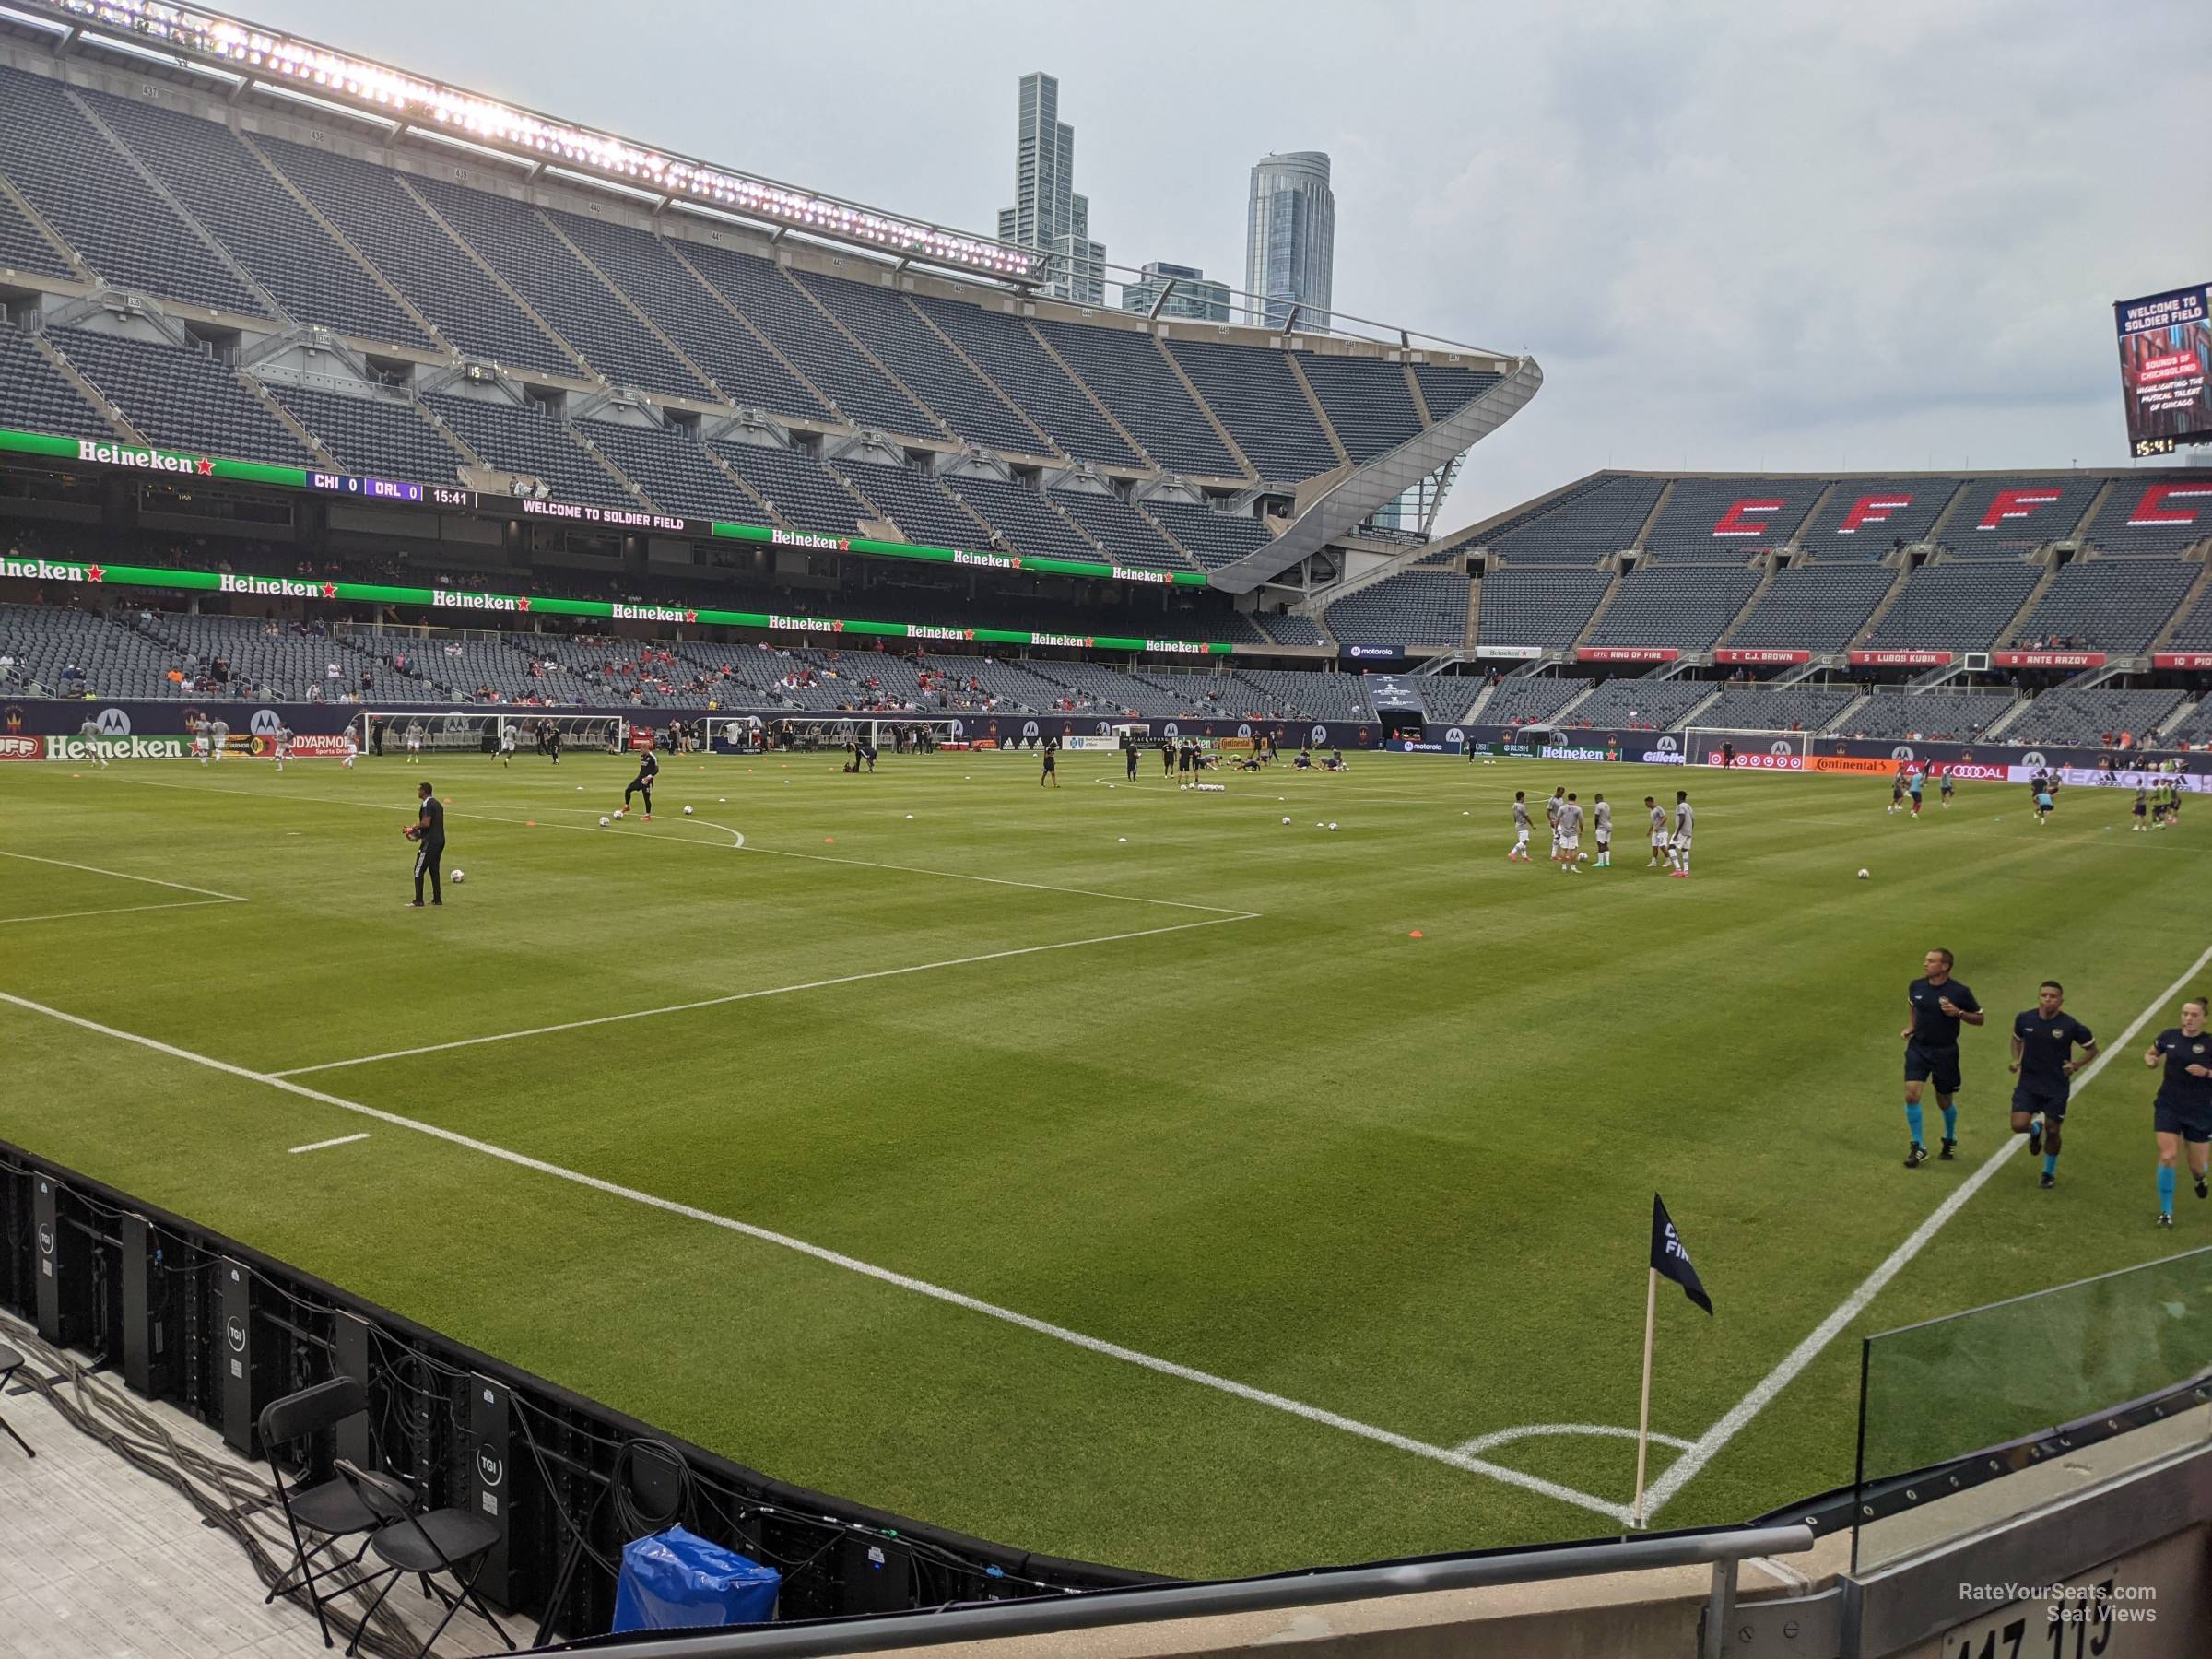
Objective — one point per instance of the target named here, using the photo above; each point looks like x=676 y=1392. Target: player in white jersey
x=353 y=747
x=506 y=742
x=1551 y=815
x=414 y=743
x=1569 y=834
x=1602 y=813
x=89 y=732
x=1659 y=836
x=284 y=744
x=218 y=737
x=1685 y=820
x=201 y=732
x=1520 y=847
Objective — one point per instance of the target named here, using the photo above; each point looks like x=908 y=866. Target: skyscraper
x=1047 y=214
x=1191 y=296
x=1290 y=239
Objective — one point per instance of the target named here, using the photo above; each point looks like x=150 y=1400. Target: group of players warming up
x=2049 y=1048
x=1564 y=809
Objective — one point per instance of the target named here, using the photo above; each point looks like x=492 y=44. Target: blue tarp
x=677 y=1580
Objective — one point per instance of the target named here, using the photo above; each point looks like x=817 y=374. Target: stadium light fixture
x=232 y=47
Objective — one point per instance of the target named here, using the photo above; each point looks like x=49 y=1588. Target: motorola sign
x=114 y=722
x=1903 y=751
x=2034 y=758
x=264 y=722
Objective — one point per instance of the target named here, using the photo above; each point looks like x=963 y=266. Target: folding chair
x=321 y=1504
x=420 y=1543
x=10 y=1362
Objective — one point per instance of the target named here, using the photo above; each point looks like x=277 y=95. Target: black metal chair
x=320 y=1504
x=11 y=1362
x=423 y=1544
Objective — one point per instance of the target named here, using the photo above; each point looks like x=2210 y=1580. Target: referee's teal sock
x=2166 y=1174
x=1912 y=1120
x=1950 y=1122
x=2050 y=1163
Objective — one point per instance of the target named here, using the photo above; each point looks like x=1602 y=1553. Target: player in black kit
x=2044 y=1041
x=2183 y=1110
x=428 y=834
x=649 y=767
x=1937 y=1003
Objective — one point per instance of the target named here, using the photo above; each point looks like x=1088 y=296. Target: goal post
x=912 y=734
x=478 y=731
x=1752 y=747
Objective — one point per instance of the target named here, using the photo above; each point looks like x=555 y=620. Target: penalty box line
x=885 y=1276
x=1685 y=1468
x=739 y=996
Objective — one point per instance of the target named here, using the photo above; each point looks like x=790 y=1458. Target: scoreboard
x=2165 y=369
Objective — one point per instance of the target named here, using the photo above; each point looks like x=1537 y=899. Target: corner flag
x=1671 y=1259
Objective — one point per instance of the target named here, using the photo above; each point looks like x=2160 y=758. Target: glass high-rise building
x=1290 y=239
x=1047 y=214
x=1189 y=293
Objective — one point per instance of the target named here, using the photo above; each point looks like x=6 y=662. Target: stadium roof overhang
x=1356 y=496
x=245 y=56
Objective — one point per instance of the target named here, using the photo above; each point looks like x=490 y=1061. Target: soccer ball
x=618 y=812
x=1332 y=826
x=686 y=812
x=1285 y=820
x=722 y=800
x=603 y=820
x=1862 y=874
x=457 y=877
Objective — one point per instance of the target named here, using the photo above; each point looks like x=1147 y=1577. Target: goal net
x=478 y=731
x=1745 y=745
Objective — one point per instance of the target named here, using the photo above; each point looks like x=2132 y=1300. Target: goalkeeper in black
x=649 y=767
x=428 y=834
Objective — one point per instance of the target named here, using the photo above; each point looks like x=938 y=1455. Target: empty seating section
x=1022 y=515
x=21 y=246
x=46 y=639
x=1446 y=388
x=1095 y=687
x=1814 y=607
x=1651 y=704
x=1413 y=608
x=993 y=680
x=35 y=396
x=803 y=492
x=1536 y=605
x=1598 y=518
x=1957 y=606
x=2111 y=604
x=1129 y=537
x=281 y=666
x=1938 y=716
x=1214 y=539
x=1862 y=517
x=465 y=669
x=510 y=237
x=2064 y=716
x=1287 y=630
x=1255 y=396
x=1366 y=400
x=916 y=501
x=82 y=186
x=226 y=187
x=380 y=437
x=1525 y=701
x=809 y=341
x=2003 y=518
x=2154 y=514
x=2195 y=632
x=902 y=342
x=2193 y=727
x=1784 y=709
x=1306 y=695
x=513 y=437
x=1685 y=607
x=686 y=310
x=375 y=212
x=180 y=396
x=1007 y=351
x=1131 y=378
x=393 y=676
x=671 y=468
x=1726 y=520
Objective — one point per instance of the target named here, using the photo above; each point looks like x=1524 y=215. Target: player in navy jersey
x=1936 y=1004
x=2044 y=1041
x=2183 y=1110
x=649 y=767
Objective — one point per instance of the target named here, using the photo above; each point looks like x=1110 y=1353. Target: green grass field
x=1290 y=1203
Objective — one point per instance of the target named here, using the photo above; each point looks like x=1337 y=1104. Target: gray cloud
x=1875 y=235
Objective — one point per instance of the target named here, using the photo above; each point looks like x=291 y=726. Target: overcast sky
x=1881 y=234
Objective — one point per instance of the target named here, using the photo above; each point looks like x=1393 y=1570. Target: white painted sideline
x=1111 y=1350
x=118 y=909
x=739 y=996
x=127 y=875
x=343 y=1140
x=1685 y=1469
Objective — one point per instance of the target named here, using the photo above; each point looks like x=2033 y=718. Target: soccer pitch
x=1110 y=1172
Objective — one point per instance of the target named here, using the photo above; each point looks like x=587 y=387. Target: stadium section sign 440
x=453 y=599
x=126 y=457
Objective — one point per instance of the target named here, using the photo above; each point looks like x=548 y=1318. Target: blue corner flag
x=1671 y=1258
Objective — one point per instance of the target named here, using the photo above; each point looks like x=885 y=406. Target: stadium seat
x=1814 y=608
x=426 y=1545
x=1447 y=388
x=916 y=503
x=1684 y=606
x=1126 y=533
x=1595 y=519
x=36 y=398
x=2084 y=717
x=381 y=436
x=1124 y=369
x=1366 y=401
x=1863 y=518
x=2006 y=517
x=1956 y=605
x=1214 y=539
x=181 y=397
x=1646 y=704
x=528 y=439
x=1255 y=396
x=2154 y=515
x=2111 y=604
x=1536 y=605
x=1413 y=608
x=1712 y=520
x=1532 y=700
x=797 y=487
x=1937 y=716
x=1780 y=709
x=1022 y=515
x=1004 y=348
x=670 y=465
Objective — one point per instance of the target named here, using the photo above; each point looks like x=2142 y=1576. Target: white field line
x=1111 y=1350
x=343 y=1140
x=126 y=876
x=1685 y=1468
x=117 y=909
x=1038 y=887
x=1506 y=1437
x=739 y=996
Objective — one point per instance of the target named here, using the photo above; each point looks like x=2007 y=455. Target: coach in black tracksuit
x=649 y=767
x=430 y=844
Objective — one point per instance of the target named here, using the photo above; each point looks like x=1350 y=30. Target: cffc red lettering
x=2152 y=508
x=1736 y=521
x=2015 y=504
x=1871 y=509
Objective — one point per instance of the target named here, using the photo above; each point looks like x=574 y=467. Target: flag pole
x=1643 y=1416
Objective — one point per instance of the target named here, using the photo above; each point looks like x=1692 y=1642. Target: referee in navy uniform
x=428 y=834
